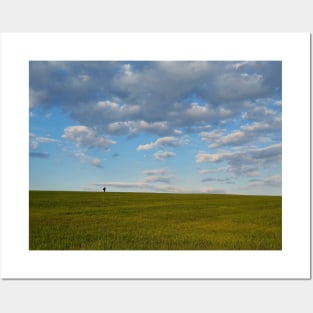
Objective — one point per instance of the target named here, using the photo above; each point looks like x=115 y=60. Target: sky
x=156 y=126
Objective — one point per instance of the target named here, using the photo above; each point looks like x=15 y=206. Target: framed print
x=155 y=155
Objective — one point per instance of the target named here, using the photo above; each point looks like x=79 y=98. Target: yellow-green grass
x=153 y=221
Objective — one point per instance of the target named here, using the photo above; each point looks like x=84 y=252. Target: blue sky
x=170 y=126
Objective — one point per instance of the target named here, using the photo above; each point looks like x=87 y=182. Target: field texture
x=153 y=221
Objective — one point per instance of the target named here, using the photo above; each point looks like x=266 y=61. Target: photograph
x=155 y=155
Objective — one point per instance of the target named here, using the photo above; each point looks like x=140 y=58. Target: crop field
x=153 y=221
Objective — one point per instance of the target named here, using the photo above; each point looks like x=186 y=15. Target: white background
x=169 y=295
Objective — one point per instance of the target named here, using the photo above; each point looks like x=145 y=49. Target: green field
x=153 y=221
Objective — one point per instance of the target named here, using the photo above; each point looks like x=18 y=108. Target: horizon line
x=174 y=193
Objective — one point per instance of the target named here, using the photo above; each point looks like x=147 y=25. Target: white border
x=292 y=262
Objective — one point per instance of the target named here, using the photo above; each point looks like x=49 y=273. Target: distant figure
x=103 y=189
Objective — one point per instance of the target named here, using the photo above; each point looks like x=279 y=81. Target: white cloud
x=158 y=178
x=35 y=140
x=34 y=145
x=197 y=110
x=219 y=179
x=131 y=185
x=83 y=158
x=162 y=155
x=254 y=132
x=79 y=81
x=242 y=157
x=206 y=171
x=273 y=181
x=127 y=69
x=46 y=139
x=240 y=170
x=259 y=112
x=211 y=136
x=108 y=105
x=210 y=190
x=35 y=97
x=234 y=138
x=158 y=171
x=153 y=127
x=83 y=78
x=161 y=142
x=84 y=136
x=203 y=157
x=119 y=128
x=238 y=86
x=135 y=127
x=238 y=65
x=206 y=112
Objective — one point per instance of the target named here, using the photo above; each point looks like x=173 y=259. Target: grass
x=153 y=221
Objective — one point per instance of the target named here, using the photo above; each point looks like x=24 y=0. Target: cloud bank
x=153 y=97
